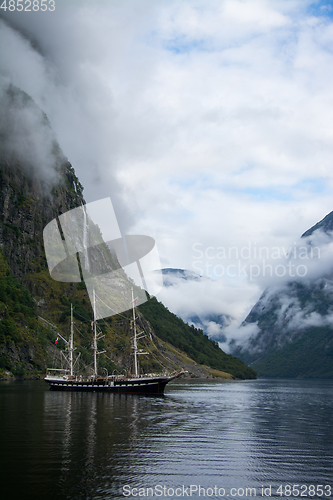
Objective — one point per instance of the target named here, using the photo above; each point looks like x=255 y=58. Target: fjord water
x=247 y=434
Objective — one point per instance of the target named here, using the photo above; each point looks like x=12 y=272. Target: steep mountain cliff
x=294 y=321
x=37 y=184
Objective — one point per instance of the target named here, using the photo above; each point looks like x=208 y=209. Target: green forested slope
x=27 y=346
x=310 y=356
x=18 y=322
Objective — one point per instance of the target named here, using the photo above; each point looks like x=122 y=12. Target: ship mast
x=94 y=346
x=70 y=347
x=136 y=337
x=95 y=336
x=135 y=344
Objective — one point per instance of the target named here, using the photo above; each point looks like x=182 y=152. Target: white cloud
x=207 y=122
x=239 y=335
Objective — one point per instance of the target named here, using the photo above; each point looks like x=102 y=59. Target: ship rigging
x=66 y=380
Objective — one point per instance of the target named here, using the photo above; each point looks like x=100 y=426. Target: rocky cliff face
x=37 y=183
x=26 y=207
x=294 y=321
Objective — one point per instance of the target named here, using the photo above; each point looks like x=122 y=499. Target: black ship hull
x=145 y=385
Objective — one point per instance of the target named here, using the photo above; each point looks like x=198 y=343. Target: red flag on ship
x=57 y=340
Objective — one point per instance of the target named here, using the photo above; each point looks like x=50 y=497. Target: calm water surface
x=251 y=434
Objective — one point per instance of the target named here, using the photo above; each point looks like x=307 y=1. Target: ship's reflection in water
x=59 y=445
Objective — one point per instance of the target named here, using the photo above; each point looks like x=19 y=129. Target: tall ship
x=60 y=379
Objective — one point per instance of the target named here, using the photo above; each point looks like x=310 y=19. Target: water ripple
x=88 y=446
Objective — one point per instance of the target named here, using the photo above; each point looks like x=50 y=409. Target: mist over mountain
x=208 y=319
x=171 y=276
x=36 y=181
x=292 y=323
x=26 y=136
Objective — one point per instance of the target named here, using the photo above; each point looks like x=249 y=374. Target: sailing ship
x=60 y=379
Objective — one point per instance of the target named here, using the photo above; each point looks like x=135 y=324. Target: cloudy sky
x=208 y=122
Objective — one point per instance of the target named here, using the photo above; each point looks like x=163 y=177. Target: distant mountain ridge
x=293 y=323
x=171 y=274
x=325 y=225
